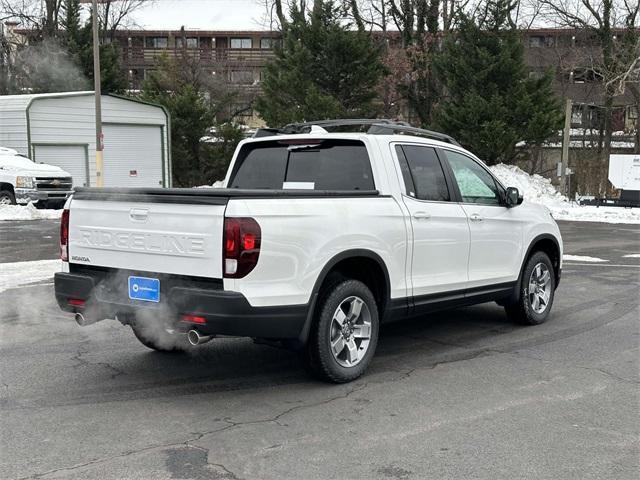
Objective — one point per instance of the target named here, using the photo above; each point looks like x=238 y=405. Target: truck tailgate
x=176 y=238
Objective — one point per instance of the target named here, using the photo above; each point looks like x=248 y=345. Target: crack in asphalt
x=86 y=363
x=198 y=436
x=611 y=375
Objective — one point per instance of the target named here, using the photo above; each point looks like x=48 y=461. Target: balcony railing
x=148 y=56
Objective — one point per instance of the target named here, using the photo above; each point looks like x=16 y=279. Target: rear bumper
x=226 y=313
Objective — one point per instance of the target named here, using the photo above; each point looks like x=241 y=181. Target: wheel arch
x=548 y=244
x=355 y=263
x=8 y=187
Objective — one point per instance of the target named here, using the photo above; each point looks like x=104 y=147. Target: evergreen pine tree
x=492 y=103
x=323 y=69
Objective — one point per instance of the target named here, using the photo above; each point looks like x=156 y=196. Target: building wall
x=13 y=124
x=71 y=120
x=569 y=52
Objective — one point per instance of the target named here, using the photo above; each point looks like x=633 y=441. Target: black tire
x=155 y=337
x=319 y=357
x=7 y=197
x=523 y=311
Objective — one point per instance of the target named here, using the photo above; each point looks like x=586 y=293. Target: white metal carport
x=59 y=129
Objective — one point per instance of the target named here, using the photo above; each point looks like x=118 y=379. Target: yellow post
x=99 y=170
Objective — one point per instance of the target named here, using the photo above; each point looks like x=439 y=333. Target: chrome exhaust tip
x=195 y=338
x=83 y=321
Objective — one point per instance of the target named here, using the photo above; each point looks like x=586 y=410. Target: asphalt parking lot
x=461 y=394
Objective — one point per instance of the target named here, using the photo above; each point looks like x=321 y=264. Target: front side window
x=476 y=185
x=319 y=165
x=423 y=175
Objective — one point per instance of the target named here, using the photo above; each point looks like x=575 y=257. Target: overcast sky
x=202 y=15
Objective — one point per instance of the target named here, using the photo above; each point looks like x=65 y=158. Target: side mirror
x=513 y=197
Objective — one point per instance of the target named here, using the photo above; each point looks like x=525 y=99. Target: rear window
x=316 y=165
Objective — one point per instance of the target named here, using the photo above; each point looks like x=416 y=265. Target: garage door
x=71 y=158
x=132 y=156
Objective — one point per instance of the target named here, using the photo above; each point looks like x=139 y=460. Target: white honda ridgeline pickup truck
x=316 y=239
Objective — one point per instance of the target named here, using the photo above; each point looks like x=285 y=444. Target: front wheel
x=537 y=289
x=7 y=198
x=344 y=335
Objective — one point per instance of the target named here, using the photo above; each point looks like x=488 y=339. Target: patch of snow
x=15 y=274
x=27 y=212
x=216 y=184
x=582 y=258
x=632 y=255
x=537 y=189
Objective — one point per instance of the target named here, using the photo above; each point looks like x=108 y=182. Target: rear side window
x=261 y=168
x=423 y=173
x=317 y=165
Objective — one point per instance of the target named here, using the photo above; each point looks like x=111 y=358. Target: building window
x=593 y=118
x=585 y=75
x=156 y=42
x=576 y=115
x=242 y=76
x=536 y=41
x=268 y=43
x=536 y=74
x=241 y=43
x=192 y=42
x=633 y=112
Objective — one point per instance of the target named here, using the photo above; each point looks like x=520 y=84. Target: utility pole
x=98 y=95
x=566 y=139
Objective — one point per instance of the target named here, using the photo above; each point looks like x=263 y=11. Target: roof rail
x=377 y=126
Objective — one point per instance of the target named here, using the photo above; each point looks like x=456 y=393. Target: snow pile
x=15 y=274
x=537 y=189
x=28 y=212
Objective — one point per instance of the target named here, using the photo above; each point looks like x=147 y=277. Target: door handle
x=475 y=218
x=139 y=214
x=421 y=216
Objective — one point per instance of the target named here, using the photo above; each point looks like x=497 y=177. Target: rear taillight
x=64 y=236
x=241 y=246
x=193 y=319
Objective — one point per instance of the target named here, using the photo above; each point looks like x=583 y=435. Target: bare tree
x=114 y=14
x=40 y=16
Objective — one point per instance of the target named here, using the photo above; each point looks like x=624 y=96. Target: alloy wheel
x=350 y=331
x=540 y=288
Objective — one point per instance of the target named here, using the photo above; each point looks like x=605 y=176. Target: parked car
x=23 y=181
x=316 y=239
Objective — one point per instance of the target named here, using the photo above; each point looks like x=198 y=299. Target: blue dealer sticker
x=146 y=289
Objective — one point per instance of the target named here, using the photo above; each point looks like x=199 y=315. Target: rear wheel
x=537 y=289
x=7 y=198
x=344 y=335
x=157 y=337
